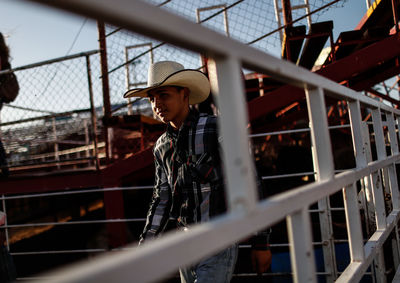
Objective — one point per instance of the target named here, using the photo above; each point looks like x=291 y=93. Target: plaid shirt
x=188 y=179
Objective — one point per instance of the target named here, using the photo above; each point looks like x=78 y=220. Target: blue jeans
x=215 y=269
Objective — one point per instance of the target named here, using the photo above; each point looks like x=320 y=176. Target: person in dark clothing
x=189 y=185
x=7 y=267
x=4 y=65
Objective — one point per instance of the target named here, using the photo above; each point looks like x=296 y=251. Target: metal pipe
x=395 y=14
x=56 y=157
x=69 y=113
x=5 y=225
x=47 y=62
x=105 y=85
x=75 y=222
x=287 y=13
x=93 y=114
x=77 y=192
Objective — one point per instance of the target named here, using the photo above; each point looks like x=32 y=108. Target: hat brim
x=194 y=80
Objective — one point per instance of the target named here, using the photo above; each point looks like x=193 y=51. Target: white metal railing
x=246 y=215
x=98 y=249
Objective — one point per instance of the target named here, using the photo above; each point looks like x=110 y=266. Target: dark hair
x=4 y=53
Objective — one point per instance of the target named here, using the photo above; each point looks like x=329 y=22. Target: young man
x=189 y=185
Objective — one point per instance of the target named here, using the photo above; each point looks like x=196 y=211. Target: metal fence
x=54 y=101
x=54 y=119
x=251 y=22
x=373 y=175
x=83 y=210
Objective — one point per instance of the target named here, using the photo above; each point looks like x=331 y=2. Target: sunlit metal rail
x=246 y=215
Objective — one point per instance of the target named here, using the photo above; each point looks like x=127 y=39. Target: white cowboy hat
x=168 y=73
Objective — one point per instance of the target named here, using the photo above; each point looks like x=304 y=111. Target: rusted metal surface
x=78 y=179
x=340 y=71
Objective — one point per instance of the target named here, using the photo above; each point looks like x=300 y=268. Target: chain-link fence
x=51 y=121
x=251 y=22
x=53 y=118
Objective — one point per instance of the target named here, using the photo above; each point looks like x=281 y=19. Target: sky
x=36 y=33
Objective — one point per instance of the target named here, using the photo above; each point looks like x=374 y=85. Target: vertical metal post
x=225 y=14
x=379 y=266
x=379 y=202
x=394 y=145
x=105 y=85
x=228 y=88
x=6 y=223
x=130 y=111
x=357 y=134
x=203 y=58
x=353 y=222
x=93 y=114
x=322 y=148
x=324 y=167
x=287 y=20
x=377 y=190
x=56 y=153
x=394 y=188
x=395 y=14
x=1 y=132
x=362 y=153
x=301 y=249
x=309 y=21
x=367 y=181
x=287 y=13
x=278 y=19
x=87 y=141
x=226 y=23
x=393 y=184
x=397 y=121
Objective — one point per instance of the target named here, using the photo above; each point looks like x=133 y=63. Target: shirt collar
x=189 y=122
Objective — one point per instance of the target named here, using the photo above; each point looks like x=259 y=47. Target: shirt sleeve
x=158 y=214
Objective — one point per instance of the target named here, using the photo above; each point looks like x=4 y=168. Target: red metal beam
x=46 y=182
x=384 y=96
x=129 y=165
x=373 y=79
x=81 y=179
x=339 y=71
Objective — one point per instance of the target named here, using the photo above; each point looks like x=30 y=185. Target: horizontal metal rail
x=52 y=61
x=74 y=222
x=55 y=115
x=245 y=216
x=293 y=131
x=72 y=192
x=65 y=151
x=266 y=214
x=281 y=176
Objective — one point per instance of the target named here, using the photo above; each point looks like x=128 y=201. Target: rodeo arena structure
x=321 y=119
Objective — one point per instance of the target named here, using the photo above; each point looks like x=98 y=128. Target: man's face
x=170 y=103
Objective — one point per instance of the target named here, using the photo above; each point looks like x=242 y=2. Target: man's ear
x=186 y=92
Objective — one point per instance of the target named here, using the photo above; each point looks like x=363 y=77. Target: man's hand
x=261 y=260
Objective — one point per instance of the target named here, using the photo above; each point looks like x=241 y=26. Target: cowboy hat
x=168 y=73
